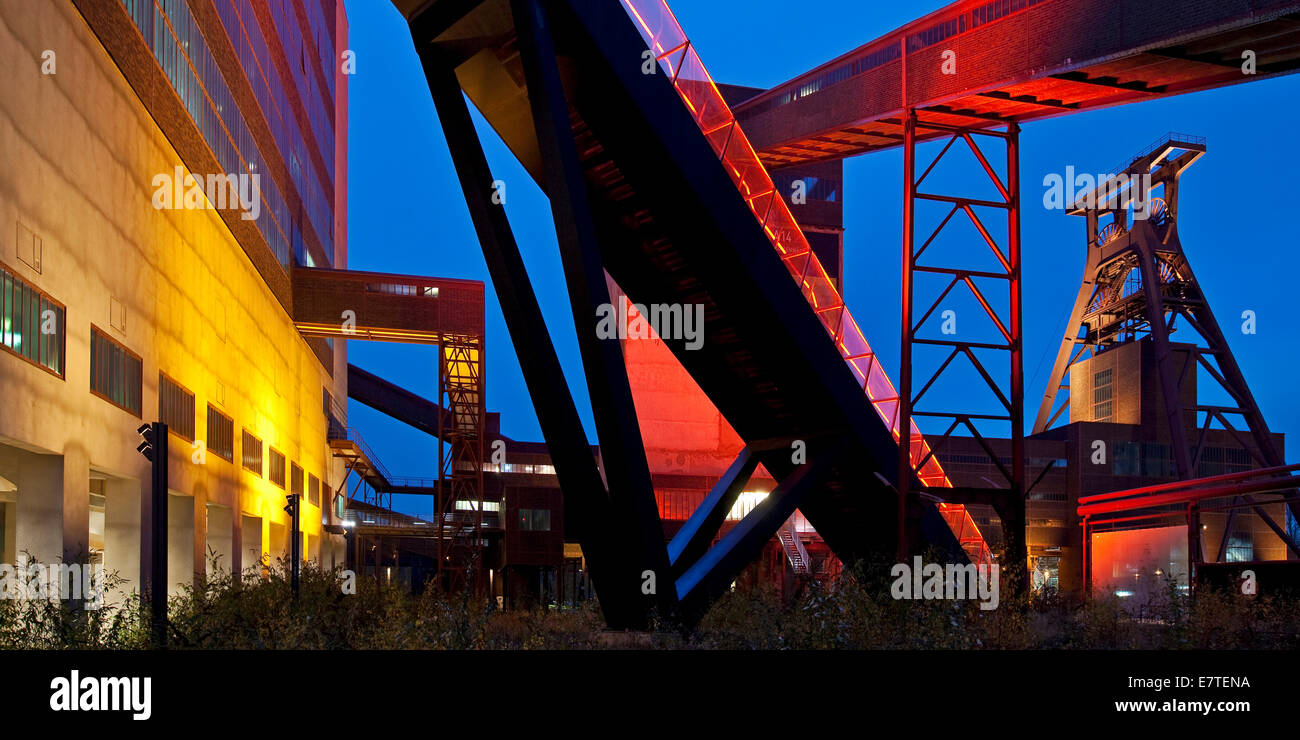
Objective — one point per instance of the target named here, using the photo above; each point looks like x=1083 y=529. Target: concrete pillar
x=122 y=533
x=199 y=526
x=75 y=487
x=251 y=537
x=180 y=543
x=8 y=526
x=279 y=545
x=220 y=539
x=39 y=530
x=238 y=559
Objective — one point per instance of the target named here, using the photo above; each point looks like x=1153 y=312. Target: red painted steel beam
x=1038 y=73
x=1187 y=497
x=1183 y=484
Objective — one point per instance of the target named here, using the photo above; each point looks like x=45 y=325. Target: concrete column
x=39 y=529
x=279 y=544
x=238 y=557
x=8 y=526
x=251 y=537
x=199 y=526
x=76 y=504
x=122 y=532
x=220 y=539
x=180 y=543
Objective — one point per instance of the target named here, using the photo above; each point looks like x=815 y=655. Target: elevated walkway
x=1016 y=62
x=684 y=214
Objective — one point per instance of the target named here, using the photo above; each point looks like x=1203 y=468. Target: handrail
x=679 y=61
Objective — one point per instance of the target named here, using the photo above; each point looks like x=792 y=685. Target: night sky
x=407 y=215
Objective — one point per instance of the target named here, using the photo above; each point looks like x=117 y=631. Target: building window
x=176 y=407
x=1292 y=526
x=251 y=449
x=1157 y=460
x=31 y=323
x=990 y=12
x=1150 y=459
x=936 y=33
x=295 y=479
x=313 y=490
x=1241 y=548
x=116 y=373
x=535 y=520
x=1103 y=388
x=221 y=435
x=1220 y=460
x=276 y=470
x=403 y=289
x=1128 y=458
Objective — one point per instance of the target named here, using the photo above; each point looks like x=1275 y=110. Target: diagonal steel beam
x=717 y=568
x=695 y=536
x=634 y=508
x=1164 y=361
x=586 y=500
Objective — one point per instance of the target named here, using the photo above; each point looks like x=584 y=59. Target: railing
x=915 y=36
x=457 y=521
x=794 y=549
x=701 y=96
x=967 y=533
x=1171 y=137
x=336 y=415
x=677 y=58
x=412 y=482
x=353 y=436
x=386 y=519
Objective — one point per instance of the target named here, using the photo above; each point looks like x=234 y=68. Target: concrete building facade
x=120 y=305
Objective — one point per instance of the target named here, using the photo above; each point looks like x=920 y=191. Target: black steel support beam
x=1234 y=382
x=695 y=536
x=436 y=18
x=1164 y=361
x=635 y=511
x=396 y=402
x=717 y=568
x=586 y=500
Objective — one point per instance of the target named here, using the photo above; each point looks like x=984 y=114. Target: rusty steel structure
x=1183 y=503
x=448 y=313
x=1138 y=284
x=963 y=270
x=1016 y=60
x=659 y=184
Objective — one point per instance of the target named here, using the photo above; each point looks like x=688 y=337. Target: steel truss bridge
x=656 y=182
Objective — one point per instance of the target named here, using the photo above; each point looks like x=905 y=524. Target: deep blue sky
x=407 y=214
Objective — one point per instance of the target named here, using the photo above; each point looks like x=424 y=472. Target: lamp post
x=154 y=448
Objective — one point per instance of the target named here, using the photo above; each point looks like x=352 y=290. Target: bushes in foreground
x=254 y=611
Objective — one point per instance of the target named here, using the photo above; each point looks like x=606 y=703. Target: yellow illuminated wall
x=80 y=153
